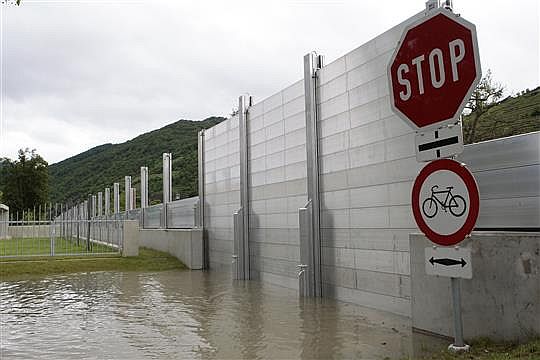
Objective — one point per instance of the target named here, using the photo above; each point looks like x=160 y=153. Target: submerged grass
x=148 y=260
x=485 y=349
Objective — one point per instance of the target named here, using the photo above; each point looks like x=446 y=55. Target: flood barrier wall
x=366 y=168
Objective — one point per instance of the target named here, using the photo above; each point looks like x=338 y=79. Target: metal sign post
x=459 y=344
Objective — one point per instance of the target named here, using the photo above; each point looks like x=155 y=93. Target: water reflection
x=185 y=315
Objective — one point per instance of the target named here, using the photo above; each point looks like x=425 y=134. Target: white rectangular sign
x=441 y=143
x=449 y=261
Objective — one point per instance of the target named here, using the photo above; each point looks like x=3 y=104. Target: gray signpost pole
x=459 y=344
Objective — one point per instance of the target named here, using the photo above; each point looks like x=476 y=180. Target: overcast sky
x=77 y=74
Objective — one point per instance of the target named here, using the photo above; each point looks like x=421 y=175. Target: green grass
x=148 y=260
x=485 y=349
x=42 y=247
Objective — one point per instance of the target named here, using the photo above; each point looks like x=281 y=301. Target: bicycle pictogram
x=454 y=203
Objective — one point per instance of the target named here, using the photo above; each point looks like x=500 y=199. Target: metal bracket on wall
x=305 y=274
x=238 y=264
x=310 y=245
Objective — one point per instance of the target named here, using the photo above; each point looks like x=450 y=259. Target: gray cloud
x=81 y=74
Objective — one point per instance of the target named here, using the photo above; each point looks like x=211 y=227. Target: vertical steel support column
x=132 y=199
x=167 y=185
x=243 y=248
x=144 y=194
x=107 y=201
x=144 y=187
x=94 y=206
x=99 y=203
x=313 y=272
x=127 y=193
x=116 y=197
x=200 y=149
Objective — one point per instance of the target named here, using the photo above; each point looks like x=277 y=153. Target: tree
x=486 y=94
x=24 y=182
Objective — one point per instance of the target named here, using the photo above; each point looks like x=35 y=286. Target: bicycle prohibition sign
x=445 y=201
x=454 y=203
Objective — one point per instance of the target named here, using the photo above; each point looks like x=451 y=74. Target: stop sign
x=434 y=70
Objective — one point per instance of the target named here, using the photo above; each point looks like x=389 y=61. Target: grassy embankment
x=484 y=349
x=148 y=260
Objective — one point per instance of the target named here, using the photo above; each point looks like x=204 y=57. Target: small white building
x=4 y=221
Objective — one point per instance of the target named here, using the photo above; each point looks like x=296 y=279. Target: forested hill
x=514 y=115
x=100 y=167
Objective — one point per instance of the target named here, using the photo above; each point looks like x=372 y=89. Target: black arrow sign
x=447 y=262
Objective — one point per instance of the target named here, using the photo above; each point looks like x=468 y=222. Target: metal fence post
x=88 y=210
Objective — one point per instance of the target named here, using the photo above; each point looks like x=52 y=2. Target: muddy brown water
x=185 y=315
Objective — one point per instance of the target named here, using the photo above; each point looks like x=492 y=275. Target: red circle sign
x=445 y=201
x=434 y=70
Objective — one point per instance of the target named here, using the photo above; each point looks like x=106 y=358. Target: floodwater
x=185 y=315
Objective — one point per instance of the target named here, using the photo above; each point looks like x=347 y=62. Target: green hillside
x=512 y=116
x=100 y=167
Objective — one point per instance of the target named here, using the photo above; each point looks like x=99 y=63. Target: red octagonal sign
x=434 y=70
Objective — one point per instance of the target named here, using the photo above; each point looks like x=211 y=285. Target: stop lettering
x=434 y=70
